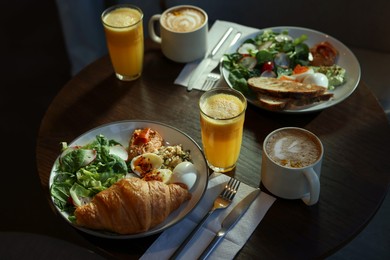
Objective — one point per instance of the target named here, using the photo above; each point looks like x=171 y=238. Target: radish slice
x=268 y=74
x=89 y=157
x=88 y=154
x=265 y=45
x=247 y=48
x=119 y=151
x=248 y=62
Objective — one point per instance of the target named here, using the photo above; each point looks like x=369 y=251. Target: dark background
x=34 y=68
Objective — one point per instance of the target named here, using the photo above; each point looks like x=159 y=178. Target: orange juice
x=222 y=120
x=125 y=40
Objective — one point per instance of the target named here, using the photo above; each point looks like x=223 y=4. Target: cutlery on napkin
x=205 y=62
x=215 y=33
x=230 y=221
x=165 y=245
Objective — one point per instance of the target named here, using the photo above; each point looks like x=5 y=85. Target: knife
x=205 y=62
x=230 y=221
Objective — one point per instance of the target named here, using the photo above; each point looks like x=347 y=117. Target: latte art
x=293 y=149
x=183 y=20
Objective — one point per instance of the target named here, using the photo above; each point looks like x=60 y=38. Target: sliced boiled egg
x=301 y=75
x=165 y=175
x=184 y=173
x=145 y=163
x=317 y=78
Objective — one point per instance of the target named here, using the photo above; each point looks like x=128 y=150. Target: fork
x=223 y=200
x=212 y=79
x=214 y=76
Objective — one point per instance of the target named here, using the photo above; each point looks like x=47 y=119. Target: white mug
x=291 y=164
x=183 y=32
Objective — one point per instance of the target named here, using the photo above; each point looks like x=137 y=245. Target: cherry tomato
x=268 y=65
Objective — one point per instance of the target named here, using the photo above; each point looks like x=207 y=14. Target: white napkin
x=215 y=33
x=166 y=244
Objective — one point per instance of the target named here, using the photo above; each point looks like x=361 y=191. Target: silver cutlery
x=215 y=74
x=223 y=200
x=205 y=62
x=230 y=221
x=211 y=80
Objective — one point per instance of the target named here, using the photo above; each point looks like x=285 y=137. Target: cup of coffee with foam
x=183 y=32
x=291 y=164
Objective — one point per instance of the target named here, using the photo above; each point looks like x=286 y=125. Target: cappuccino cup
x=291 y=164
x=183 y=32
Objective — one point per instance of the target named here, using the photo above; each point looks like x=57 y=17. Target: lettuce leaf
x=78 y=178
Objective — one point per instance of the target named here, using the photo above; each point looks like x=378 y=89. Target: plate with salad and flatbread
x=291 y=69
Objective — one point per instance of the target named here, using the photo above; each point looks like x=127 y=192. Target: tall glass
x=125 y=40
x=222 y=115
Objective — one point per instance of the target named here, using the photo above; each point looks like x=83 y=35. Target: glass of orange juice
x=125 y=40
x=222 y=115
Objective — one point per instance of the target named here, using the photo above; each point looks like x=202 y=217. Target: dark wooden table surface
x=356 y=167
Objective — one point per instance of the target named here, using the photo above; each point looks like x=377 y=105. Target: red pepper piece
x=143 y=137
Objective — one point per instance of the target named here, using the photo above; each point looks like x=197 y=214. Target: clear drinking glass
x=222 y=115
x=125 y=39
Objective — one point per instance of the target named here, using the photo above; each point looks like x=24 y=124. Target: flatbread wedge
x=284 y=88
x=277 y=94
x=278 y=104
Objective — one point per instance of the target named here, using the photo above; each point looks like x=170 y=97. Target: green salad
x=272 y=54
x=83 y=171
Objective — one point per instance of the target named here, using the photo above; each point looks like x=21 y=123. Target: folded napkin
x=166 y=244
x=217 y=30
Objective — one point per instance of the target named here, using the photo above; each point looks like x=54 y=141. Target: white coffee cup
x=291 y=164
x=183 y=32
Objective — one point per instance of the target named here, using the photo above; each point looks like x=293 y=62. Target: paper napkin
x=166 y=244
x=215 y=33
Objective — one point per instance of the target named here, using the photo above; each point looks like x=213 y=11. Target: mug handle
x=152 y=33
x=314 y=187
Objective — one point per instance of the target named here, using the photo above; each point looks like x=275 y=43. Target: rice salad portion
x=173 y=155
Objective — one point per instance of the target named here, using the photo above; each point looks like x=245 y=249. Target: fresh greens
x=266 y=47
x=275 y=54
x=82 y=172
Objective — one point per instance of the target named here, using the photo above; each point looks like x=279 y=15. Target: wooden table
x=355 y=175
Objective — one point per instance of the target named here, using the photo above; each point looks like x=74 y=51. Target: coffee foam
x=183 y=19
x=293 y=148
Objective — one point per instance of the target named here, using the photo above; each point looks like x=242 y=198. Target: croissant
x=131 y=205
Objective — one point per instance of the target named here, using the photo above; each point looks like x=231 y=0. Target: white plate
x=346 y=59
x=121 y=131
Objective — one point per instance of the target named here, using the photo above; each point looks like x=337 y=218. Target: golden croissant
x=131 y=206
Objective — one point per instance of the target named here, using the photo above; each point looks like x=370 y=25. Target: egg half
x=317 y=78
x=301 y=76
x=186 y=173
x=145 y=163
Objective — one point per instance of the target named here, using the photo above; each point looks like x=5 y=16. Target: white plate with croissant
x=137 y=201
